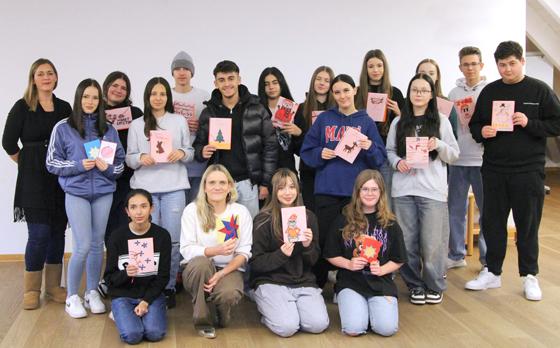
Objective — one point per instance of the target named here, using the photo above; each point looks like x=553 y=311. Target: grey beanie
x=182 y=60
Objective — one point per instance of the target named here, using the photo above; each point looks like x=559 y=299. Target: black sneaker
x=417 y=296
x=433 y=297
x=170 y=298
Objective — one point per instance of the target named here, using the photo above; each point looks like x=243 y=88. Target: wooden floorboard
x=493 y=318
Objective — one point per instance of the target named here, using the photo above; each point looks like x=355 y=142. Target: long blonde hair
x=272 y=211
x=204 y=209
x=30 y=95
x=356 y=220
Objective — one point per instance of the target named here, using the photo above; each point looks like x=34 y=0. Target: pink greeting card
x=160 y=145
x=444 y=106
x=219 y=133
x=377 y=106
x=315 y=114
x=107 y=151
x=120 y=118
x=370 y=248
x=227 y=228
x=465 y=109
x=285 y=112
x=184 y=109
x=502 y=115
x=347 y=147
x=294 y=224
x=141 y=254
x=417 y=154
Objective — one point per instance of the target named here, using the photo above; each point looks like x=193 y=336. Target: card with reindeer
x=348 y=148
x=160 y=145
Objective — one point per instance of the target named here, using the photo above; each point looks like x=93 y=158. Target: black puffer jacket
x=258 y=138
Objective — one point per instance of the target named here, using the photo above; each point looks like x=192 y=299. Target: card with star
x=141 y=254
x=370 y=249
x=227 y=228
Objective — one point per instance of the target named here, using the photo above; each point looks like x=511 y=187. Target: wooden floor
x=497 y=318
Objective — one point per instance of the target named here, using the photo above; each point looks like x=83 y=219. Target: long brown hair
x=356 y=220
x=271 y=212
x=30 y=95
x=363 y=89
x=150 y=121
x=437 y=83
x=311 y=104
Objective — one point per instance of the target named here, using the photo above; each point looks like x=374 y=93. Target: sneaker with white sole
x=111 y=316
x=93 y=302
x=456 y=263
x=485 y=280
x=434 y=297
x=531 y=288
x=75 y=308
x=417 y=296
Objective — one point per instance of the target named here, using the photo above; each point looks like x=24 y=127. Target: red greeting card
x=502 y=115
x=444 y=106
x=347 y=147
x=377 y=106
x=219 y=133
x=160 y=145
x=285 y=112
x=465 y=110
x=294 y=224
x=315 y=114
x=107 y=151
x=141 y=254
x=120 y=117
x=417 y=154
x=184 y=109
x=370 y=248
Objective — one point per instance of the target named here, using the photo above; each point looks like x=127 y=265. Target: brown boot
x=53 y=274
x=32 y=289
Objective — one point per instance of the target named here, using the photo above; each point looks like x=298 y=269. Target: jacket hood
x=358 y=113
x=462 y=82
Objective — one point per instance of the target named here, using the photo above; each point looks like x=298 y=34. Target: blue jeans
x=460 y=178
x=355 y=310
x=190 y=194
x=132 y=328
x=88 y=220
x=168 y=209
x=425 y=226
x=45 y=244
x=248 y=196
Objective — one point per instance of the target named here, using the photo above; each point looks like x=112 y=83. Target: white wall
x=93 y=38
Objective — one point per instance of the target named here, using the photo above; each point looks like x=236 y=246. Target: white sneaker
x=111 y=316
x=531 y=288
x=93 y=302
x=74 y=307
x=485 y=280
x=456 y=263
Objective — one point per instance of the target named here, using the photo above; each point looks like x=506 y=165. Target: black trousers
x=523 y=193
x=327 y=209
x=307 y=189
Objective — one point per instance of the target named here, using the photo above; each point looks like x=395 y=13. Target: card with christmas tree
x=219 y=133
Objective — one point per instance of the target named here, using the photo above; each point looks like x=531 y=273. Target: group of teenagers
x=214 y=215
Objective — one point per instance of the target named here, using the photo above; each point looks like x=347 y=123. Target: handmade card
x=285 y=112
x=184 y=109
x=465 y=110
x=107 y=151
x=502 y=115
x=219 y=133
x=315 y=114
x=227 y=229
x=160 y=145
x=370 y=248
x=294 y=224
x=92 y=148
x=377 y=106
x=347 y=147
x=141 y=254
x=417 y=154
x=444 y=106
x=121 y=118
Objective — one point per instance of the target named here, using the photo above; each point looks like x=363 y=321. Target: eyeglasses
x=369 y=189
x=469 y=65
x=420 y=91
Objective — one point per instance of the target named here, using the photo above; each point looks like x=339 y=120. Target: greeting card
x=465 y=110
x=160 y=145
x=219 y=133
x=377 y=106
x=285 y=112
x=92 y=148
x=121 y=118
x=347 y=147
x=315 y=114
x=227 y=228
x=444 y=106
x=294 y=224
x=502 y=115
x=417 y=154
x=141 y=254
x=370 y=248
x=107 y=151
